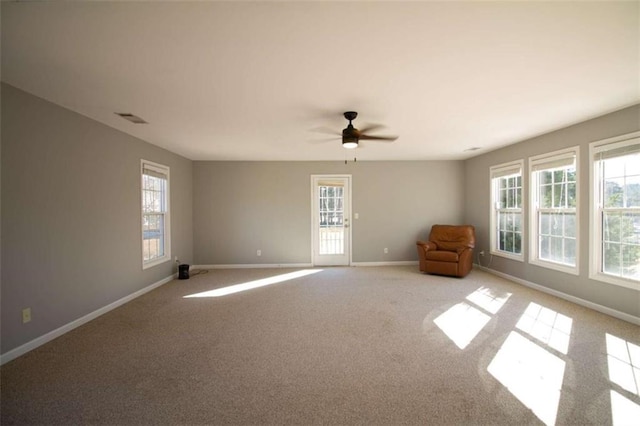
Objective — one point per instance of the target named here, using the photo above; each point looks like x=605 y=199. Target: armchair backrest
x=453 y=237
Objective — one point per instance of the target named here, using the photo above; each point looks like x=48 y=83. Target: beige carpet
x=366 y=345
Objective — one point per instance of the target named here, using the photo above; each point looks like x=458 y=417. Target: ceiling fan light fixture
x=349 y=143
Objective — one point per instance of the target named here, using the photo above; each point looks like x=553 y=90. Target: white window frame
x=597 y=199
x=163 y=170
x=552 y=161
x=495 y=172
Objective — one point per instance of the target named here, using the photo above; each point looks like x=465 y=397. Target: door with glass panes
x=331 y=220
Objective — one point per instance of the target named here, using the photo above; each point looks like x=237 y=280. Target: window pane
x=622 y=244
x=558 y=195
x=632 y=191
x=631 y=261
x=503 y=198
x=571 y=190
x=502 y=183
x=545 y=223
x=611 y=227
x=558 y=176
x=612 y=258
x=513 y=198
x=506 y=200
x=517 y=243
x=152 y=236
x=570 y=251
x=546 y=196
x=620 y=182
x=544 y=249
x=510 y=224
x=570 y=225
x=517 y=222
x=154 y=209
x=632 y=164
x=632 y=226
x=556 y=254
x=613 y=195
x=554 y=224
x=614 y=167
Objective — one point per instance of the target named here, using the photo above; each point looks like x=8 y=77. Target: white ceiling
x=255 y=80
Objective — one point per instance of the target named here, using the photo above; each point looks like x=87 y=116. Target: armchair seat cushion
x=442 y=256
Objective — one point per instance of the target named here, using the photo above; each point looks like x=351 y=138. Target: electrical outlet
x=481 y=253
x=259 y=252
x=176 y=259
x=386 y=250
x=26 y=315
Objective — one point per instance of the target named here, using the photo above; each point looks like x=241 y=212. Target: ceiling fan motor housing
x=350 y=137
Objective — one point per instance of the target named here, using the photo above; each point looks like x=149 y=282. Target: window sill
x=155 y=262
x=572 y=270
x=611 y=279
x=517 y=257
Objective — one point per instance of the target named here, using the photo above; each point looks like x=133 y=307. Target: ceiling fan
x=352 y=136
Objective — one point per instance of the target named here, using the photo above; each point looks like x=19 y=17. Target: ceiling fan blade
x=378 y=138
x=370 y=127
x=323 y=140
x=325 y=130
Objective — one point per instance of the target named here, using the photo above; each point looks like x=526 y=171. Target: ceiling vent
x=132 y=118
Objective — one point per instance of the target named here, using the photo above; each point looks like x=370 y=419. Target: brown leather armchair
x=449 y=250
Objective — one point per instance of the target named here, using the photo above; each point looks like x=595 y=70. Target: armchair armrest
x=427 y=245
x=460 y=250
x=423 y=247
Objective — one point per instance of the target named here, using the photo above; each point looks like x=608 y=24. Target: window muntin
x=616 y=211
x=506 y=215
x=554 y=213
x=155 y=214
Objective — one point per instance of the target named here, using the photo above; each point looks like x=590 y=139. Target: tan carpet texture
x=360 y=345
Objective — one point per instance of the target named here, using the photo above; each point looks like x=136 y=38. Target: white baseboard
x=39 y=341
x=591 y=305
x=397 y=263
x=253 y=266
x=297 y=265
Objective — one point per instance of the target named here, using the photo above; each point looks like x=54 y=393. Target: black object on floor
x=183 y=272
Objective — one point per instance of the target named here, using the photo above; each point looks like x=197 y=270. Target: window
x=331 y=232
x=554 y=212
x=506 y=214
x=155 y=214
x=615 y=215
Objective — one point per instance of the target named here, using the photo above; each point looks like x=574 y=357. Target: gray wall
x=240 y=207
x=71 y=221
x=477 y=194
x=71 y=238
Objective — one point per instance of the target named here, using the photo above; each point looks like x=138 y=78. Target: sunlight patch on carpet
x=488 y=299
x=623 y=410
x=250 y=285
x=546 y=325
x=623 y=360
x=461 y=323
x=531 y=373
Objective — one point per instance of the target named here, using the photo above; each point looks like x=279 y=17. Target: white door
x=331 y=219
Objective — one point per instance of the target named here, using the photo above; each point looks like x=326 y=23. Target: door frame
x=315 y=178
